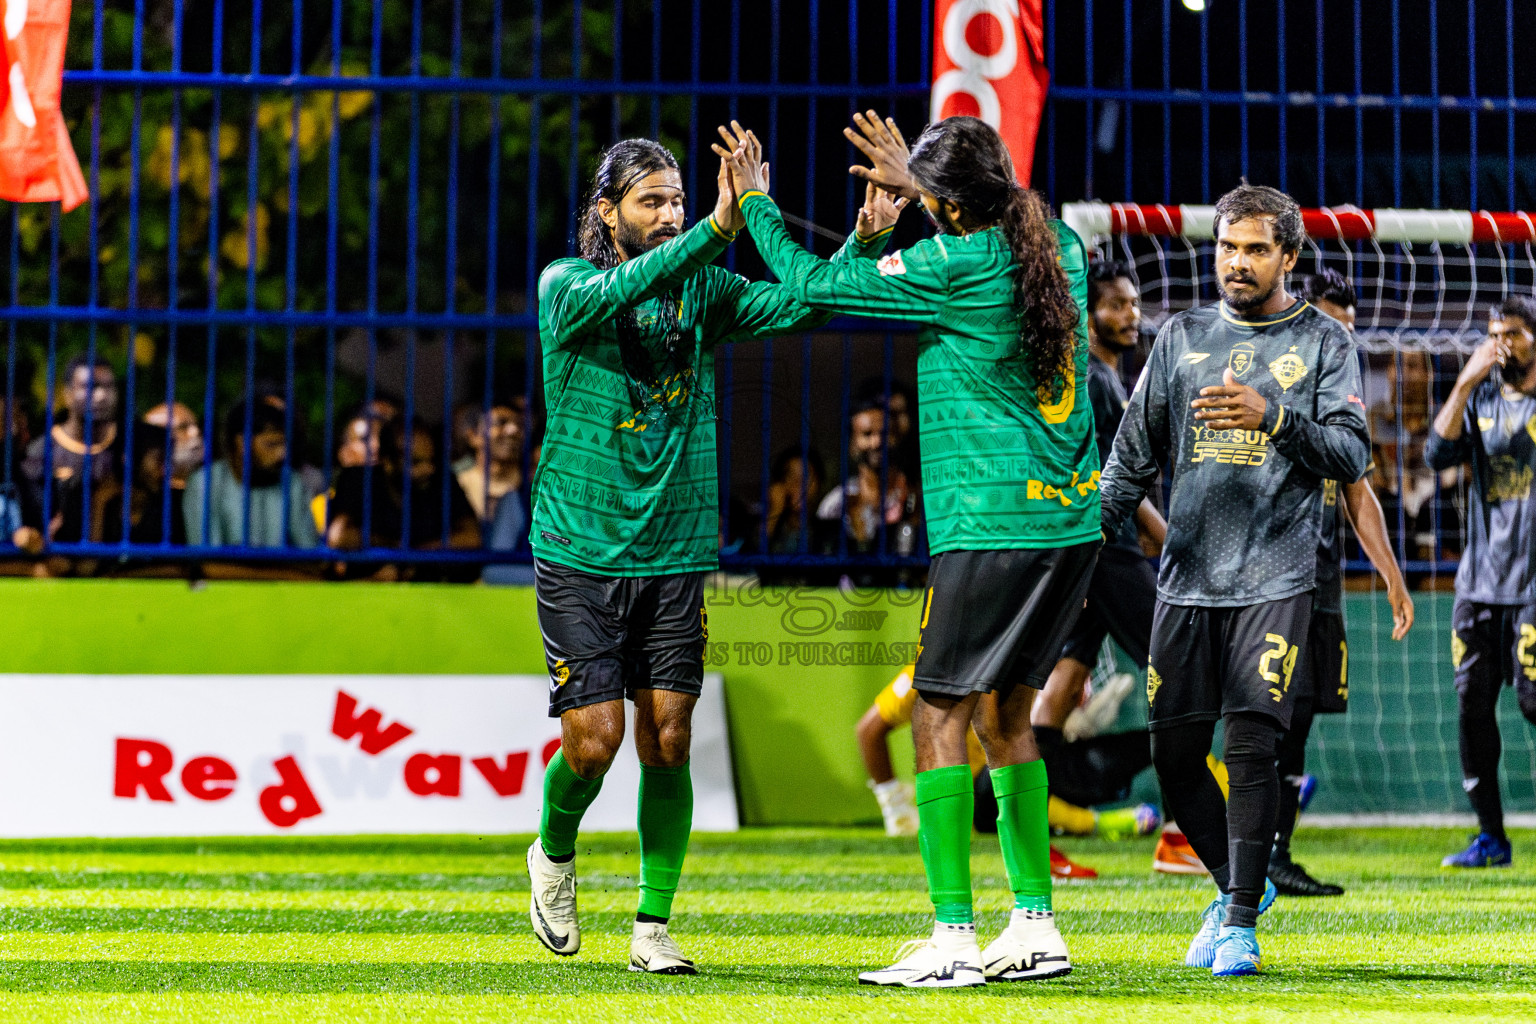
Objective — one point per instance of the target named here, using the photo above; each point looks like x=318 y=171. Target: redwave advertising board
x=189 y=755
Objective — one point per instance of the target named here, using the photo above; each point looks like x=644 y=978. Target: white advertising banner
x=179 y=755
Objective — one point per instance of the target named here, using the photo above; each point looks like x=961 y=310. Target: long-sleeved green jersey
x=1002 y=467
x=1245 y=507
x=627 y=483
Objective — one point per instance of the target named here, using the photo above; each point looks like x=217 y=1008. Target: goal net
x=1425 y=282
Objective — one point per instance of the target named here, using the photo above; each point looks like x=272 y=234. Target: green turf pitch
x=419 y=930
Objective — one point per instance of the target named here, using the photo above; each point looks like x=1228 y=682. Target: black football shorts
x=607 y=636
x=1210 y=662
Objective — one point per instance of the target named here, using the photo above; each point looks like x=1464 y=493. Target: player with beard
x=1012 y=522
x=1327 y=680
x=1253 y=402
x=625 y=509
x=1489 y=421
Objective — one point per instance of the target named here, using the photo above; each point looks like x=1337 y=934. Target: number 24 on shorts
x=1284 y=653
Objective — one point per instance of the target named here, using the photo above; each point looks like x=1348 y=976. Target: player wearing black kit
x=1253 y=402
x=1325 y=686
x=1489 y=420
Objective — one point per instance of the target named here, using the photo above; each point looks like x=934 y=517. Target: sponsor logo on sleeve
x=892 y=265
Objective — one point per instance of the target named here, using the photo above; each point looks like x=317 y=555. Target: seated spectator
x=795 y=487
x=858 y=501
x=13 y=441
x=900 y=408
x=224 y=490
x=88 y=444
x=509 y=532
x=382 y=488
x=186 y=457
x=495 y=466
x=186 y=439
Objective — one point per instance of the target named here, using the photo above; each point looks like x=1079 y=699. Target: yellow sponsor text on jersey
x=1230 y=447
x=1039 y=490
x=1508 y=480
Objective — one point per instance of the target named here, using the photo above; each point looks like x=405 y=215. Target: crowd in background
x=390 y=487
x=393 y=485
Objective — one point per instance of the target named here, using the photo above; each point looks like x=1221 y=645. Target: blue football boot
x=1202 y=948
x=1237 y=953
x=1486 y=851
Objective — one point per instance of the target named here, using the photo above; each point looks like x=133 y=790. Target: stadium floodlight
x=1194 y=5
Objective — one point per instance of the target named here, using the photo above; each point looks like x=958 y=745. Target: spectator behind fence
x=795 y=487
x=186 y=457
x=1400 y=426
x=495 y=464
x=899 y=408
x=225 y=498
x=509 y=532
x=857 y=502
x=386 y=482
x=13 y=442
x=88 y=441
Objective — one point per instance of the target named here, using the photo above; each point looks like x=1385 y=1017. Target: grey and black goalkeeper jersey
x=1244 y=512
x=1107 y=396
x=1498 y=437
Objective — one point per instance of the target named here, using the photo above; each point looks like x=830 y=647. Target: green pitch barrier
x=435 y=929
x=801 y=666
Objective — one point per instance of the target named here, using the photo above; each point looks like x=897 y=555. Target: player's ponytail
x=964 y=160
x=624 y=165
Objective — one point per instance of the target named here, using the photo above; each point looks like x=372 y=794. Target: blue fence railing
x=309 y=257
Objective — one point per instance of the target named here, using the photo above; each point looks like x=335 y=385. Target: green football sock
x=945 y=805
x=566 y=798
x=666 y=821
x=1024 y=832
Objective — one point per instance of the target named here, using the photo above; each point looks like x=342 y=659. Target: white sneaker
x=552 y=905
x=653 y=951
x=949 y=959
x=1101 y=711
x=1029 y=949
x=897 y=806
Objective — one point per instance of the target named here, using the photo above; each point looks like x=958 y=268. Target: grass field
x=421 y=930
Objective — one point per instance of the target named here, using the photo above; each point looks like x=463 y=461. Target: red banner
x=989 y=62
x=37 y=160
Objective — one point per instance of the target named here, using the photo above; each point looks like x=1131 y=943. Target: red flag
x=37 y=160
x=989 y=62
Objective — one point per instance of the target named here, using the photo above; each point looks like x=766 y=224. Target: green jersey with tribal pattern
x=627 y=482
x=1003 y=465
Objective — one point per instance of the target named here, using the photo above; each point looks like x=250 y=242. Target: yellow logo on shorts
x=561 y=673
x=1458 y=650
x=1154 y=683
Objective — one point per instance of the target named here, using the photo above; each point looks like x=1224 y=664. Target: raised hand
x=879 y=211
x=742 y=154
x=727 y=212
x=882 y=144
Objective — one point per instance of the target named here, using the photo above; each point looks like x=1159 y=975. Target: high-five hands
x=880 y=211
x=886 y=149
x=1231 y=406
x=742 y=155
x=727 y=212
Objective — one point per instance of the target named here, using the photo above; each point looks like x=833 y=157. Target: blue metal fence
x=316 y=204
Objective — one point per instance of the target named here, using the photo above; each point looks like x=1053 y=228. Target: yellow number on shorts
x=1343 y=670
x=1458 y=650
x=1523 y=649
x=927 y=607
x=1287 y=655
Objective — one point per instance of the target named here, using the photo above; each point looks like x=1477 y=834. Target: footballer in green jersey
x=625 y=510
x=1010 y=479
